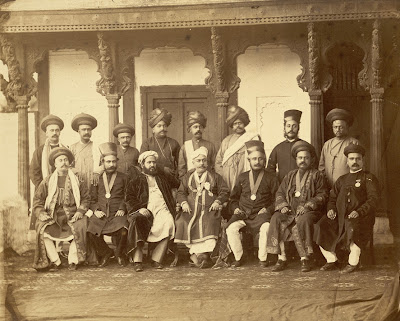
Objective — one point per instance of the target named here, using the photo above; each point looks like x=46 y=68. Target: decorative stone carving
x=313 y=58
x=376 y=56
x=106 y=84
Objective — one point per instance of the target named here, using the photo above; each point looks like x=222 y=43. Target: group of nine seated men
x=168 y=194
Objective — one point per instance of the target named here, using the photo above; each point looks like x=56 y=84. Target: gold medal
x=357 y=184
x=253 y=197
x=108 y=195
x=297 y=194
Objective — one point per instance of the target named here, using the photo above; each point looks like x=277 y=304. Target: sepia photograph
x=190 y=160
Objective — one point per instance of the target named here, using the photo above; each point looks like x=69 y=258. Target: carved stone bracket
x=106 y=84
x=376 y=55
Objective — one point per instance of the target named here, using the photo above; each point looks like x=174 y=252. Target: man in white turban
x=151 y=210
x=201 y=195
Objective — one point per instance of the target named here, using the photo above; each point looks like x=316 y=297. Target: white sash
x=238 y=145
x=46 y=169
x=189 y=154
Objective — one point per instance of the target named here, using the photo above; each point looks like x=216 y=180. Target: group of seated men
x=166 y=194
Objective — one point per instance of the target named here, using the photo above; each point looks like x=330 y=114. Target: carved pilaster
x=111 y=85
x=113 y=105
x=378 y=162
x=314 y=91
x=23 y=146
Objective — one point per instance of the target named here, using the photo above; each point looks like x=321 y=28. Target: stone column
x=23 y=147
x=377 y=162
x=113 y=115
x=317 y=116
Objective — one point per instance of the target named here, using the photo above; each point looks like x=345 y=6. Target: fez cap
x=83 y=119
x=123 y=128
x=159 y=114
x=234 y=113
x=196 y=117
x=254 y=146
x=107 y=149
x=340 y=114
x=51 y=120
x=144 y=155
x=292 y=114
x=302 y=145
x=200 y=151
x=59 y=151
x=353 y=148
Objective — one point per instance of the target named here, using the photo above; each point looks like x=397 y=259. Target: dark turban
x=353 y=148
x=51 y=120
x=292 y=114
x=158 y=115
x=83 y=119
x=254 y=146
x=340 y=114
x=302 y=145
x=234 y=113
x=59 y=151
x=123 y=128
x=196 y=117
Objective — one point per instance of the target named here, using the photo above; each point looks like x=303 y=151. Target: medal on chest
x=108 y=195
x=255 y=185
x=253 y=197
x=297 y=194
x=108 y=186
x=358 y=183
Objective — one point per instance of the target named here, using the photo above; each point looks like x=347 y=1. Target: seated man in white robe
x=151 y=211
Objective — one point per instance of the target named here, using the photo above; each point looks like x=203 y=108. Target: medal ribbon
x=300 y=184
x=254 y=187
x=109 y=187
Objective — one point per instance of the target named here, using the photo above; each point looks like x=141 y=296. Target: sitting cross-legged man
x=60 y=202
x=351 y=209
x=252 y=204
x=109 y=211
x=201 y=195
x=299 y=203
x=151 y=210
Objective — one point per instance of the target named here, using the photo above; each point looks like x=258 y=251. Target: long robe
x=344 y=198
x=281 y=159
x=98 y=201
x=201 y=224
x=183 y=164
x=265 y=198
x=313 y=196
x=333 y=162
x=87 y=160
x=127 y=157
x=60 y=226
x=137 y=197
x=168 y=155
x=236 y=164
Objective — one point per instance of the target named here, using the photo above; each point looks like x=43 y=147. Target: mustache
x=199 y=132
x=302 y=163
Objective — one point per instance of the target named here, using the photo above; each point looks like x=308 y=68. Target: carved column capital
x=22 y=102
x=113 y=100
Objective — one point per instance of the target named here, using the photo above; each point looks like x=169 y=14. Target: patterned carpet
x=184 y=293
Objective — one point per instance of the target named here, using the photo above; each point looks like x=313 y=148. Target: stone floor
x=183 y=293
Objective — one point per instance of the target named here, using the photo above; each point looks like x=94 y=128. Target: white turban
x=200 y=151
x=146 y=154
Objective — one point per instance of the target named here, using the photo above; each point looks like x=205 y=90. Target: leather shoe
x=54 y=267
x=305 y=265
x=138 y=267
x=236 y=263
x=106 y=259
x=348 y=269
x=279 y=266
x=72 y=267
x=329 y=266
x=263 y=263
x=158 y=265
x=121 y=261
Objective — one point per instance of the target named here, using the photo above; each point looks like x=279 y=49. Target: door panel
x=179 y=100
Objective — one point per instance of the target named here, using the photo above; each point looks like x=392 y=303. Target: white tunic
x=163 y=224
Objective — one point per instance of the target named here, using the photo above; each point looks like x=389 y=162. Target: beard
x=290 y=135
x=150 y=171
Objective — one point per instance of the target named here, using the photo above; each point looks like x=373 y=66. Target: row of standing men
x=276 y=203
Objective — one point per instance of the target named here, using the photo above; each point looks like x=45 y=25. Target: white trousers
x=206 y=246
x=354 y=256
x=52 y=253
x=235 y=242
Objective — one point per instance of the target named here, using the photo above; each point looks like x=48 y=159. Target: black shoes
x=158 y=265
x=263 y=264
x=279 y=266
x=305 y=265
x=348 y=269
x=72 y=267
x=54 y=267
x=138 y=267
x=329 y=266
x=106 y=259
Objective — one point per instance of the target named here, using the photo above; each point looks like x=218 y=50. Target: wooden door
x=179 y=100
